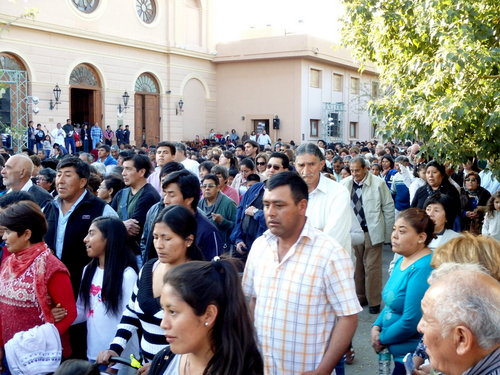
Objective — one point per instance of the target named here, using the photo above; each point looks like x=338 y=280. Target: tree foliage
x=439 y=63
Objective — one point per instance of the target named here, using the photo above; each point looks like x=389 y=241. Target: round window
x=146 y=10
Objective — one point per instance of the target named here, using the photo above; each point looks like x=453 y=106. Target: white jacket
x=378 y=207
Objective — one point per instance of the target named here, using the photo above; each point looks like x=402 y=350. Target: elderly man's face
x=440 y=350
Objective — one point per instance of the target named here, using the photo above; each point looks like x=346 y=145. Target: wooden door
x=152 y=119
x=96 y=109
x=139 y=119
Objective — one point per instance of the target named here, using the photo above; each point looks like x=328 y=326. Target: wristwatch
x=255 y=210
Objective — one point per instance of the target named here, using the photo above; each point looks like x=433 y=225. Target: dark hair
x=115 y=182
x=140 y=162
x=171 y=166
x=170 y=145
x=311 y=149
x=448 y=204
x=346 y=168
x=14 y=197
x=337 y=159
x=118 y=257
x=439 y=167
x=376 y=165
x=188 y=183
x=476 y=175
x=207 y=165
x=285 y=161
x=201 y=284
x=418 y=168
x=253 y=177
x=390 y=159
x=105 y=147
x=253 y=143
x=233 y=161
x=220 y=169
x=23 y=215
x=49 y=174
x=420 y=221
x=94 y=182
x=247 y=162
x=212 y=177
x=292 y=179
x=77 y=367
x=82 y=169
x=183 y=223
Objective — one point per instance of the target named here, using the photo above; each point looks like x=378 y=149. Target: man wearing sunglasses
x=250 y=222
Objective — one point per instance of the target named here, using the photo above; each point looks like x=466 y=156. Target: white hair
x=465 y=300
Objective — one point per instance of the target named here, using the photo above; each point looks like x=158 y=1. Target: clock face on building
x=86 y=6
x=146 y=10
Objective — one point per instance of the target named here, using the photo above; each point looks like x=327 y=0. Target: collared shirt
x=26 y=186
x=62 y=221
x=299 y=298
x=329 y=210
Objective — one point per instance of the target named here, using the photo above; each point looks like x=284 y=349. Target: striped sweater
x=143 y=314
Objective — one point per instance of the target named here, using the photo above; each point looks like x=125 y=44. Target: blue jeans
x=70 y=141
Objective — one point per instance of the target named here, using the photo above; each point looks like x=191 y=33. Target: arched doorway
x=146 y=110
x=85 y=96
x=14 y=106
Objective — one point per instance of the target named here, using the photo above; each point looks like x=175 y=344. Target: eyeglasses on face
x=274 y=166
x=471 y=179
x=208 y=186
x=261 y=163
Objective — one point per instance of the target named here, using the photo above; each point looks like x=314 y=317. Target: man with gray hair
x=374 y=208
x=461 y=320
x=328 y=209
x=17 y=177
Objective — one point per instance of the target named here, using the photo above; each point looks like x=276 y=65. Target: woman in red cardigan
x=32 y=279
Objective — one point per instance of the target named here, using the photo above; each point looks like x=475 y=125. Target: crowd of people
x=111 y=249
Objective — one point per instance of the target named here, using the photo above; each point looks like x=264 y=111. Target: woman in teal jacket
x=396 y=326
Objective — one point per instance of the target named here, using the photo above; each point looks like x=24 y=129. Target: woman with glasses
x=473 y=196
x=46 y=179
x=219 y=208
x=261 y=163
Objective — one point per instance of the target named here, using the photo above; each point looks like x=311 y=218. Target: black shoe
x=363 y=302
x=374 y=309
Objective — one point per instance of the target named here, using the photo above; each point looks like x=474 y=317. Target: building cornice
x=103 y=38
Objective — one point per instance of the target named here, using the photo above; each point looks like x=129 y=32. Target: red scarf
x=19 y=262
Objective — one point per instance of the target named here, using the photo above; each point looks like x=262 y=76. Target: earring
x=206 y=324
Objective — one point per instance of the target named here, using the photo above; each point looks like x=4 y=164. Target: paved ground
x=366 y=361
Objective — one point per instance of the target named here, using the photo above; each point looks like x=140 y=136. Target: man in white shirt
x=329 y=207
x=263 y=139
x=58 y=134
x=180 y=157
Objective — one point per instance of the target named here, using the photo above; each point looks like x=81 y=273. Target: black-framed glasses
x=208 y=186
x=274 y=166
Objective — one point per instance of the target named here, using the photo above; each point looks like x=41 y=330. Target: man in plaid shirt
x=301 y=287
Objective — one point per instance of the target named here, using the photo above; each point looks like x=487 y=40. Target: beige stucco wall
x=261 y=78
x=120 y=47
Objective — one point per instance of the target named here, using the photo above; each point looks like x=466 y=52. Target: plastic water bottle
x=384 y=362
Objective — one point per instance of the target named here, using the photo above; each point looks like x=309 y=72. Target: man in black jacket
x=133 y=202
x=68 y=223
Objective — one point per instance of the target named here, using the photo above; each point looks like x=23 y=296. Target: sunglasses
x=261 y=163
x=208 y=186
x=275 y=167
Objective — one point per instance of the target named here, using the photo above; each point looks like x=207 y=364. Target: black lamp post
x=57 y=95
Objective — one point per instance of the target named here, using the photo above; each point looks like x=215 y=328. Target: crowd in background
x=142 y=219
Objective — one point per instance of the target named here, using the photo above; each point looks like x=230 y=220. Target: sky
x=315 y=17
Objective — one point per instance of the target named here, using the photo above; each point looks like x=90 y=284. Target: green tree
x=439 y=63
